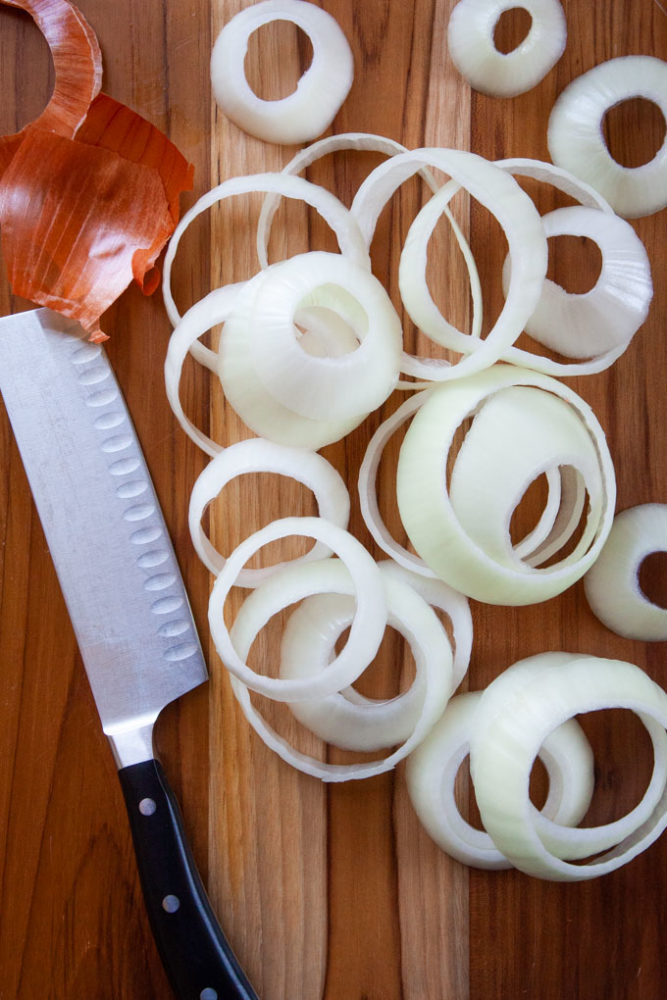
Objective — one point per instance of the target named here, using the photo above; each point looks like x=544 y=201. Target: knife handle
x=195 y=953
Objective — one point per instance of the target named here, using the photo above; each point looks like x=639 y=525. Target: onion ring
x=612 y=583
x=320 y=92
x=470 y=37
x=576 y=141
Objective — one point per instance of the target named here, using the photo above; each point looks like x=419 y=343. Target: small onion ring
x=470 y=37
x=600 y=323
x=612 y=583
x=341 y=220
x=432 y=769
x=411 y=615
x=432 y=522
x=576 y=140
x=258 y=455
x=292 y=583
x=497 y=191
x=516 y=712
x=304 y=114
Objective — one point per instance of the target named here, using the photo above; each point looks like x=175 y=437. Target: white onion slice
x=576 y=139
x=367 y=142
x=432 y=769
x=612 y=583
x=455 y=605
x=334 y=213
x=292 y=583
x=600 y=323
x=497 y=191
x=259 y=455
x=470 y=37
x=249 y=397
x=320 y=92
x=323 y=388
x=516 y=712
x=440 y=532
x=418 y=709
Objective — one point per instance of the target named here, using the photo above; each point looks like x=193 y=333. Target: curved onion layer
x=443 y=598
x=612 y=583
x=497 y=191
x=82 y=217
x=323 y=388
x=290 y=584
x=367 y=142
x=523 y=424
x=258 y=455
x=515 y=714
x=432 y=769
x=341 y=220
x=576 y=140
x=413 y=285
x=470 y=36
x=320 y=92
x=600 y=323
x=246 y=393
x=77 y=66
x=346 y=718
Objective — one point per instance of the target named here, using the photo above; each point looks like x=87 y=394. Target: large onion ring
x=576 y=140
x=304 y=114
x=432 y=769
x=515 y=714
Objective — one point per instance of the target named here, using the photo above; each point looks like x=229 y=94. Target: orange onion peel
x=77 y=64
x=90 y=190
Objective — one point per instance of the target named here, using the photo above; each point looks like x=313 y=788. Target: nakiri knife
x=129 y=609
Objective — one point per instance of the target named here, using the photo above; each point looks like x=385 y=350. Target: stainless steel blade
x=103 y=525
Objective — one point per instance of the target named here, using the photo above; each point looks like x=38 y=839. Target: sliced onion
x=612 y=583
x=343 y=223
x=304 y=114
x=598 y=324
x=347 y=718
x=258 y=455
x=576 y=140
x=247 y=394
x=439 y=595
x=452 y=536
x=432 y=769
x=501 y=195
x=470 y=36
x=516 y=713
x=290 y=584
x=323 y=388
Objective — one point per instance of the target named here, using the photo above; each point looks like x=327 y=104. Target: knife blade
x=129 y=609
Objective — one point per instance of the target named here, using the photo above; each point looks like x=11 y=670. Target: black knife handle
x=197 y=958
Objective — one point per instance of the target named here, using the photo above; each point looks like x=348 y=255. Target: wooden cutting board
x=326 y=892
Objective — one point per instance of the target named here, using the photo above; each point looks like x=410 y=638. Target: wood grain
x=331 y=892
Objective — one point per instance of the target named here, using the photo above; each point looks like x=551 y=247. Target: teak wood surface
x=331 y=892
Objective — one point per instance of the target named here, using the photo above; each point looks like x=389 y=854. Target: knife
x=130 y=612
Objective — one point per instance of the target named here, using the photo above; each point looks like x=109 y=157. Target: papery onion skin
x=77 y=63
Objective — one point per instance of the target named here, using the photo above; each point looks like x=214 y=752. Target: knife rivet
x=171 y=904
x=147 y=807
x=208 y=994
